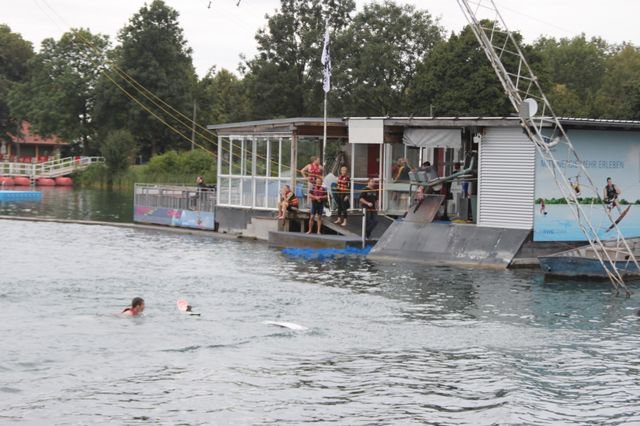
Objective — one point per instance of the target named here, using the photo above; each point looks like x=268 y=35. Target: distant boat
x=582 y=262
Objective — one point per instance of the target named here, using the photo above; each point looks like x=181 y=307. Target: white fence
x=49 y=169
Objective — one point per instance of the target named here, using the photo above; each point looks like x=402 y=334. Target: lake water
x=386 y=343
x=69 y=203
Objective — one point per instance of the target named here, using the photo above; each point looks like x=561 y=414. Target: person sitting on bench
x=288 y=202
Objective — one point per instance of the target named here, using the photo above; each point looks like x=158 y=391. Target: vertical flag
x=326 y=60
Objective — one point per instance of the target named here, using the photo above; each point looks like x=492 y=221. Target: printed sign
x=604 y=154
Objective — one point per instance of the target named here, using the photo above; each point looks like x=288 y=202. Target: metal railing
x=179 y=197
x=49 y=169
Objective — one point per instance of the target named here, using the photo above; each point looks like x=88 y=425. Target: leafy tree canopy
x=153 y=52
x=60 y=96
x=15 y=55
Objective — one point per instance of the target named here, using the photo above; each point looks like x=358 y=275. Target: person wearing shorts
x=318 y=196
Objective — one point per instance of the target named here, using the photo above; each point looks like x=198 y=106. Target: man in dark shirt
x=369 y=200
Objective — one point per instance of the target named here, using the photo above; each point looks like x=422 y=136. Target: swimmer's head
x=138 y=303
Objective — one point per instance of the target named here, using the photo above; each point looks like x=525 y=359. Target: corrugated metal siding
x=506 y=179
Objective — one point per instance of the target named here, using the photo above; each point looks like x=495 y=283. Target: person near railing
x=343 y=190
x=318 y=196
x=312 y=171
x=369 y=201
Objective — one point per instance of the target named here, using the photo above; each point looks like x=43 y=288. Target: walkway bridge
x=48 y=169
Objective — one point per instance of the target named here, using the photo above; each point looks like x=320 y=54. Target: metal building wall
x=506 y=179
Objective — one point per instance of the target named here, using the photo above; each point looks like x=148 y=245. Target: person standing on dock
x=343 y=190
x=318 y=195
x=611 y=194
x=369 y=200
x=312 y=171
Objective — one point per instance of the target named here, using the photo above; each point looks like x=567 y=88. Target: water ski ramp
x=448 y=243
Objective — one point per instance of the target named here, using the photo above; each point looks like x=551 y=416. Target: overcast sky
x=220 y=33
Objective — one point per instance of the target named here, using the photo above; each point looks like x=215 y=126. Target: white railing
x=49 y=169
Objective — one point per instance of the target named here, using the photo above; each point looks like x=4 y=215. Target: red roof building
x=29 y=147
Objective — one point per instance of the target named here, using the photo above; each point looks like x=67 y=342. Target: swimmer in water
x=136 y=308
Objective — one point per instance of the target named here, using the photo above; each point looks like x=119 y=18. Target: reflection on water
x=387 y=343
x=81 y=204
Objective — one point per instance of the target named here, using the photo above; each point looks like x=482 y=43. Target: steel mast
x=543 y=127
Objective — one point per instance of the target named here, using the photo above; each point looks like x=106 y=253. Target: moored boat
x=583 y=262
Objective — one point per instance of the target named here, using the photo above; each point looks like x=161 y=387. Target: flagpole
x=324 y=136
x=326 y=85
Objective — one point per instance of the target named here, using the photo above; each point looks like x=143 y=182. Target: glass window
x=247 y=192
x=261 y=157
x=307 y=148
x=236 y=156
x=397 y=152
x=223 y=188
x=413 y=157
x=336 y=155
x=224 y=155
x=274 y=157
x=248 y=157
x=273 y=193
x=285 y=158
x=261 y=192
x=234 y=192
x=361 y=161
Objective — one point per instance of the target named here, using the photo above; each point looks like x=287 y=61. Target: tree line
x=388 y=59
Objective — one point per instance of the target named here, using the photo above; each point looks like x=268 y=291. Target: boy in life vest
x=136 y=308
x=343 y=191
x=318 y=195
x=288 y=202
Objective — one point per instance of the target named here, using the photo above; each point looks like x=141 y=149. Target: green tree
x=284 y=78
x=378 y=55
x=15 y=55
x=59 y=98
x=154 y=52
x=456 y=79
x=117 y=149
x=617 y=97
x=222 y=98
x=575 y=62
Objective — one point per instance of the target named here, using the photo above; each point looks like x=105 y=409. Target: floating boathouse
x=505 y=205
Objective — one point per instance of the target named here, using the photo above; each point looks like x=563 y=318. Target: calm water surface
x=69 y=203
x=386 y=343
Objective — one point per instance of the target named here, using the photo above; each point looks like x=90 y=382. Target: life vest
x=314 y=171
x=292 y=199
x=611 y=192
x=319 y=192
x=343 y=184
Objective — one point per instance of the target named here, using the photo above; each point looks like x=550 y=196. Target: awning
x=430 y=138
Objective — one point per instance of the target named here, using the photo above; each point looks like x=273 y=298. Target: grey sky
x=219 y=34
